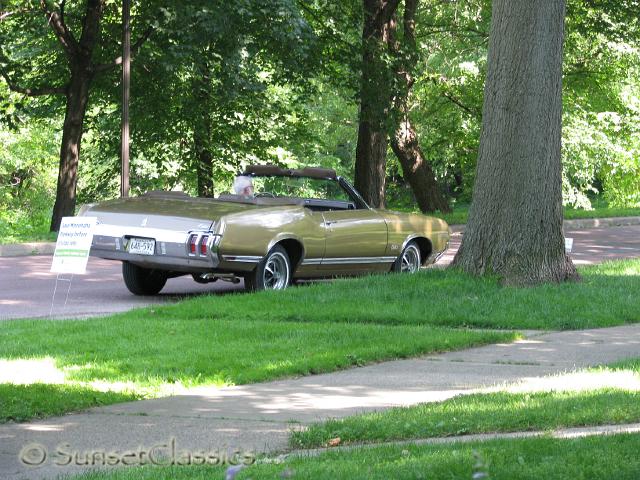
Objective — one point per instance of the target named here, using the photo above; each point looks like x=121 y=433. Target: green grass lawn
x=234 y=339
x=486 y=413
x=614 y=457
x=19 y=237
x=606 y=296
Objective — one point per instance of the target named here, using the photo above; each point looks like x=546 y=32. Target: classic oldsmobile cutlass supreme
x=300 y=224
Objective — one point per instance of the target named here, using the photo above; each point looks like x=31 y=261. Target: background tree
x=515 y=222
x=375 y=100
x=219 y=85
x=76 y=54
x=416 y=168
x=388 y=63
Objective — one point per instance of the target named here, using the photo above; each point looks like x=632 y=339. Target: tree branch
x=90 y=27
x=60 y=29
x=31 y=92
x=6 y=14
x=322 y=24
x=135 y=48
x=457 y=102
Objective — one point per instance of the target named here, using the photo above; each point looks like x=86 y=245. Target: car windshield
x=296 y=187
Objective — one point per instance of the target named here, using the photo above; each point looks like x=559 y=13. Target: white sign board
x=568 y=245
x=73 y=245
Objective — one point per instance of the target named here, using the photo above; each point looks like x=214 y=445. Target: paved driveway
x=26 y=286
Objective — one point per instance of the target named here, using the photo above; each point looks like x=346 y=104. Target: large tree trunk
x=404 y=142
x=515 y=222
x=375 y=101
x=77 y=99
x=371 y=161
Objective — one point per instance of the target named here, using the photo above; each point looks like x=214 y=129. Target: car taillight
x=193 y=240
x=203 y=244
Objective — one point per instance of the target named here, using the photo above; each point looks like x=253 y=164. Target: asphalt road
x=27 y=286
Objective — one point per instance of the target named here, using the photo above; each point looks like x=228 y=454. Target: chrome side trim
x=241 y=258
x=311 y=261
x=348 y=260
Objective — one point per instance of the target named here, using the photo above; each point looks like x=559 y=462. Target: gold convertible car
x=284 y=225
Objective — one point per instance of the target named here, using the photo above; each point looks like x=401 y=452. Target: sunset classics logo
x=161 y=453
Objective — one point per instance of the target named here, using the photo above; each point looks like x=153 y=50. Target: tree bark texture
x=77 y=99
x=515 y=221
x=375 y=101
x=404 y=141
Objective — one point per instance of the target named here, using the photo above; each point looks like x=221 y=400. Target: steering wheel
x=265 y=194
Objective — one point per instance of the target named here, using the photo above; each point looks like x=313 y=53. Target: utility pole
x=126 y=77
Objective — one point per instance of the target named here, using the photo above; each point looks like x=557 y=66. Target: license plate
x=142 y=246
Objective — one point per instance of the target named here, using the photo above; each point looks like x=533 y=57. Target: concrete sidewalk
x=258 y=417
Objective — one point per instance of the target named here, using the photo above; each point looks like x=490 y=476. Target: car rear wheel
x=409 y=260
x=272 y=273
x=143 y=281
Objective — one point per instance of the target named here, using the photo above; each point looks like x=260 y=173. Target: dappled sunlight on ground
x=25 y=372
x=45 y=371
x=581 y=381
x=11 y=302
x=44 y=428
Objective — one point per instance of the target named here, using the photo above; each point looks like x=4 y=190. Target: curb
x=27 y=249
x=582 y=223
x=47 y=248
x=561 y=433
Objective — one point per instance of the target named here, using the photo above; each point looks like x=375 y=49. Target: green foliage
x=600 y=102
x=258 y=81
x=28 y=163
x=602 y=110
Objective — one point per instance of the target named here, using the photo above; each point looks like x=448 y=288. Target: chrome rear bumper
x=172 y=249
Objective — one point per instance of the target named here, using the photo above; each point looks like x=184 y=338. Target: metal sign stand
x=55 y=289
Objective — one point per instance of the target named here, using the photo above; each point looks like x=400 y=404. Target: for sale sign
x=73 y=245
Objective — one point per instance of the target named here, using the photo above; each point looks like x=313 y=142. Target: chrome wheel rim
x=410 y=261
x=276 y=272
